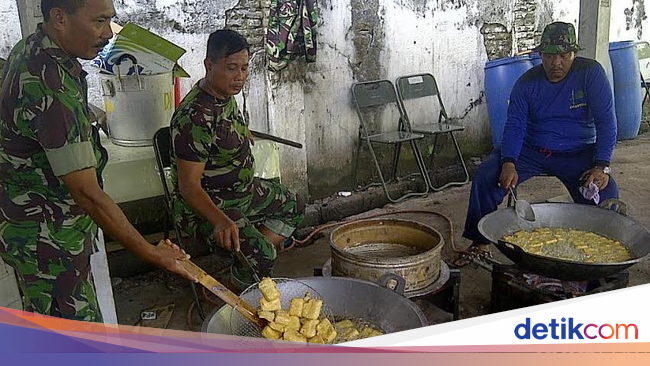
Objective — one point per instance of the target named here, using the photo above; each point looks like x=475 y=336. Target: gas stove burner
x=561 y=288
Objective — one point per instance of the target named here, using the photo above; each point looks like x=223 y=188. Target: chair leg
x=462 y=162
x=355 y=168
x=396 y=153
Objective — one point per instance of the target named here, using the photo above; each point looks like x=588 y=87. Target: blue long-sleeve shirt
x=568 y=115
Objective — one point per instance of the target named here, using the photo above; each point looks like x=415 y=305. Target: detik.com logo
x=571 y=330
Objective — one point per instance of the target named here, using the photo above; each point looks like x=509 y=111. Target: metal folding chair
x=372 y=95
x=162 y=142
x=422 y=86
x=643 y=52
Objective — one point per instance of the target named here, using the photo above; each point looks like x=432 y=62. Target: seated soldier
x=561 y=122
x=216 y=197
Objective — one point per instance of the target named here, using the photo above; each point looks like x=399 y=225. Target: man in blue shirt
x=561 y=122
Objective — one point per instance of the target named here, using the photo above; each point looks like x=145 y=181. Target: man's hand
x=251 y=137
x=168 y=255
x=597 y=176
x=226 y=233
x=509 y=176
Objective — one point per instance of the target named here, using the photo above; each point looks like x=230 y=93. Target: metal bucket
x=137 y=106
x=369 y=249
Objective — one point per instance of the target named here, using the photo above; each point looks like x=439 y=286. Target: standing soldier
x=51 y=160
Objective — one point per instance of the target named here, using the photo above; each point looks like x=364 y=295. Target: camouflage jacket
x=291 y=32
x=46 y=132
x=212 y=131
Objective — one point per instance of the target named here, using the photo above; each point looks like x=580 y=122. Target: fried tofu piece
x=294 y=323
x=316 y=339
x=369 y=332
x=268 y=315
x=330 y=336
x=347 y=323
x=324 y=327
x=312 y=308
x=308 y=329
x=271 y=333
x=350 y=334
x=273 y=305
x=282 y=317
x=293 y=336
x=269 y=289
x=276 y=326
x=296 y=307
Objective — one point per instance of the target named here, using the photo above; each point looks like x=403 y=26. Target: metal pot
x=369 y=249
x=348 y=298
x=594 y=219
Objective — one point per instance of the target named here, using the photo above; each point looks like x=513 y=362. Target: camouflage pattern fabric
x=212 y=131
x=291 y=32
x=558 y=37
x=46 y=132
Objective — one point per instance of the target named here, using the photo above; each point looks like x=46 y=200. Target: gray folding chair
x=373 y=95
x=422 y=86
x=643 y=52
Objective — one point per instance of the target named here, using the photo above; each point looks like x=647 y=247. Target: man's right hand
x=509 y=177
x=226 y=233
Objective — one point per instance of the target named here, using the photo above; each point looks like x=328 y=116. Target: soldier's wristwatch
x=605 y=169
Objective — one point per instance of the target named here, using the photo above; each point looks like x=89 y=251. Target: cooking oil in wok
x=383 y=250
x=570 y=244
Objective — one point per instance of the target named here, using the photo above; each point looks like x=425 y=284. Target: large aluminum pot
x=369 y=249
x=137 y=106
x=347 y=298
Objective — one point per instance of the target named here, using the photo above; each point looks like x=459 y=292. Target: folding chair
x=643 y=52
x=421 y=86
x=162 y=143
x=371 y=95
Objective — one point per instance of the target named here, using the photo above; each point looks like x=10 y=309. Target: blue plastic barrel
x=535 y=58
x=500 y=77
x=627 y=90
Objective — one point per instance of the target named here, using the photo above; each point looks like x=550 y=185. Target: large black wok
x=599 y=220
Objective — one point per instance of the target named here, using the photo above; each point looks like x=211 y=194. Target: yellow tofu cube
x=308 y=329
x=294 y=323
x=268 y=315
x=271 y=333
x=347 y=323
x=324 y=326
x=296 y=307
x=282 y=317
x=269 y=289
x=350 y=334
x=316 y=339
x=273 y=305
x=330 y=336
x=275 y=326
x=312 y=308
x=293 y=336
x=375 y=333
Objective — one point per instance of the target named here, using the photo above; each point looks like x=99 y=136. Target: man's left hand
x=597 y=176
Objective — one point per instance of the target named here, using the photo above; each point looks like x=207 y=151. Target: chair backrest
x=162 y=143
x=419 y=86
x=643 y=53
x=376 y=93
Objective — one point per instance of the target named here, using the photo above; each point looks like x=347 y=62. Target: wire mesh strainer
x=289 y=289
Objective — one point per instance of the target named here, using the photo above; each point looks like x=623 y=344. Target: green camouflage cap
x=558 y=37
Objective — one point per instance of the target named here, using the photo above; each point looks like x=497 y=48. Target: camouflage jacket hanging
x=291 y=32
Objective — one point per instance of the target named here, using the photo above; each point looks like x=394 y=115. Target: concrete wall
x=358 y=40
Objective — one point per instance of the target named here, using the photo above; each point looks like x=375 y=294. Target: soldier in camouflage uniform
x=51 y=162
x=291 y=32
x=216 y=197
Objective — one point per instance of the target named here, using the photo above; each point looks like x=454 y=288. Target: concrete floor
x=631 y=169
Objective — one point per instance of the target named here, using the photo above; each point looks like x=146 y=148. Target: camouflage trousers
x=271 y=205
x=51 y=279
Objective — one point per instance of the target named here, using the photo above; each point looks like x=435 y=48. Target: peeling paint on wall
x=368 y=34
x=497 y=40
x=634 y=17
x=525 y=17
